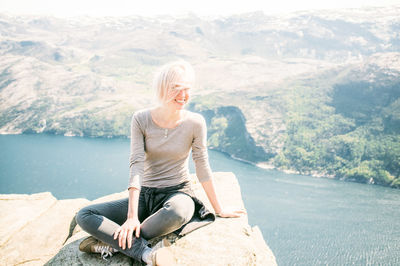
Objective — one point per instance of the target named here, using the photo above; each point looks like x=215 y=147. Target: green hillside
x=311 y=92
x=349 y=130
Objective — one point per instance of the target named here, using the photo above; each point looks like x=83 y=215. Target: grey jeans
x=101 y=220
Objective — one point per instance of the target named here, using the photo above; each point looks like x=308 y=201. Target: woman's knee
x=88 y=219
x=180 y=208
x=82 y=215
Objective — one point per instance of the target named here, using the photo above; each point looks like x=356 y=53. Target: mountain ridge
x=86 y=76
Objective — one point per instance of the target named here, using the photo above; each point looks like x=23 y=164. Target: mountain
x=314 y=92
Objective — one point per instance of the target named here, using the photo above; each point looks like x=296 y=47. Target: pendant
x=165 y=133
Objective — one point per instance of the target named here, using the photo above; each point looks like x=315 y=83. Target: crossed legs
x=103 y=219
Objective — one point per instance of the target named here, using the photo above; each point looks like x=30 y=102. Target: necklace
x=166 y=129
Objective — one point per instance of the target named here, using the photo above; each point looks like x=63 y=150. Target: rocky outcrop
x=227 y=132
x=39 y=229
x=33 y=228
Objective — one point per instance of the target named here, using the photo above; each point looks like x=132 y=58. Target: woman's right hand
x=125 y=232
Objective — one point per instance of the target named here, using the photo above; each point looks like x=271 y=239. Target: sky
x=68 y=8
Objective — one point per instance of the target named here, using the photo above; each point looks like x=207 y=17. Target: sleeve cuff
x=204 y=178
x=134 y=182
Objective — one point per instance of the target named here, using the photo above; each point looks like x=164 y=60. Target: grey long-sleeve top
x=159 y=156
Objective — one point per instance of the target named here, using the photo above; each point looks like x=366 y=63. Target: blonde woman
x=160 y=200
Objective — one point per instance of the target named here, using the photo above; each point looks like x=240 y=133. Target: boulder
x=224 y=242
x=34 y=227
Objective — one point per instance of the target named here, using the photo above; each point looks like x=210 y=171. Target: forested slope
x=312 y=92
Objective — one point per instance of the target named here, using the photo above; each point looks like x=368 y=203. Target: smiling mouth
x=180 y=101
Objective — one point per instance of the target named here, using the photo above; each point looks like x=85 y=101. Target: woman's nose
x=182 y=93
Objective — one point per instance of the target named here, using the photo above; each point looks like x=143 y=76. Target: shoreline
x=268 y=166
x=66 y=134
x=262 y=165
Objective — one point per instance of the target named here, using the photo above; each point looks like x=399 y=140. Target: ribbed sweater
x=159 y=156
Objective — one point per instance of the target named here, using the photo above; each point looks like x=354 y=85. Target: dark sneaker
x=93 y=245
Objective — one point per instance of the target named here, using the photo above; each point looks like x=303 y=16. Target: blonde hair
x=171 y=78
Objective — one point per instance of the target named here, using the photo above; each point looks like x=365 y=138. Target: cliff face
x=38 y=229
x=227 y=132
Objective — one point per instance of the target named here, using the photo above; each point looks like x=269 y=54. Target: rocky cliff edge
x=38 y=229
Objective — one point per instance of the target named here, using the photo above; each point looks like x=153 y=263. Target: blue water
x=304 y=220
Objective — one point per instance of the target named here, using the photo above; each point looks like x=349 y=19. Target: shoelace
x=104 y=250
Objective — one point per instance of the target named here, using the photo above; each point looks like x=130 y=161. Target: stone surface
x=34 y=227
x=18 y=211
x=226 y=241
x=43 y=234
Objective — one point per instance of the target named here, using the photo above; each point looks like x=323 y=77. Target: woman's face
x=180 y=97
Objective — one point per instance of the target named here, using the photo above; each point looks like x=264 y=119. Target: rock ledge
x=38 y=229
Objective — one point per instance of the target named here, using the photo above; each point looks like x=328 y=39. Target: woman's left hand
x=231 y=212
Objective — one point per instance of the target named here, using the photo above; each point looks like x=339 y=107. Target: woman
x=160 y=198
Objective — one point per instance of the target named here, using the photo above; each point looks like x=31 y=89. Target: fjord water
x=304 y=220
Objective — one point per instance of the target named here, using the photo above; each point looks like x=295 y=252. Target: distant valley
x=310 y=92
